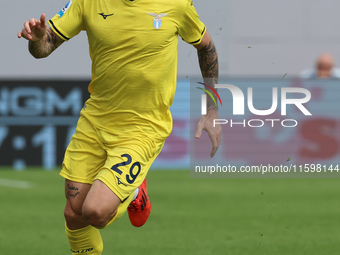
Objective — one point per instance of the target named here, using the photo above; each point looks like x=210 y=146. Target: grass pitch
x=189 y=216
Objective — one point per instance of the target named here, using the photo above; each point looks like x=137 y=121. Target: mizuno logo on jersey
x=105 y=15
x=119 y=181
x=157 y=21
x=62 y=11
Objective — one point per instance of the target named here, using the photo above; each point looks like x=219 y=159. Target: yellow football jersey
x=133 y=48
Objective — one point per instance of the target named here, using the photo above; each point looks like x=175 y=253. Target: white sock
x=136 y=194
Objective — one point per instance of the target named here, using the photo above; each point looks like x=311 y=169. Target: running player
x=126 y=120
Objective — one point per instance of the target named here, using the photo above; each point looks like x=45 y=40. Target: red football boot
x=139 y=209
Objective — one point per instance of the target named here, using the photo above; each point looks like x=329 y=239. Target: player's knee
x=96 y=217
x=71 y=216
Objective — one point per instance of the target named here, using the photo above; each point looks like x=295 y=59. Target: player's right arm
x=42 y=40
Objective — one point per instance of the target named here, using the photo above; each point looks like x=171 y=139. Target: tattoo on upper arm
x=208 y=61
x=46 y=45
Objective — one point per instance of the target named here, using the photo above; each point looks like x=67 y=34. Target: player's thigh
x=101 y=202
x=83 y=159
x=75 y=193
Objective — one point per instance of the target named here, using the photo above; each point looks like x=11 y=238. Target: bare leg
x=75 y=193
x=100 y=205
x=89 y=204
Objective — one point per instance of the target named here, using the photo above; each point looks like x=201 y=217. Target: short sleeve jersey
x=133 y=48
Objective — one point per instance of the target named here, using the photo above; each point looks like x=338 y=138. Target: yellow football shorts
x=121 y=161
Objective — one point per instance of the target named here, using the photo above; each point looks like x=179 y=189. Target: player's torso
x=133 y=46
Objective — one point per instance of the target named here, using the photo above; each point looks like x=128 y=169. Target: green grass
x=189 y=216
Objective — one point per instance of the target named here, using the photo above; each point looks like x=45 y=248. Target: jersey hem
x=97 y=125
x=74 y=178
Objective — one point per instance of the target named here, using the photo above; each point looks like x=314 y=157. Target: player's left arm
x=208 y=61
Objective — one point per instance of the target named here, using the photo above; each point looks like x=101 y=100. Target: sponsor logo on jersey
x=119 y=181
x=62 y=11
x=157 y=21
x=105 y=15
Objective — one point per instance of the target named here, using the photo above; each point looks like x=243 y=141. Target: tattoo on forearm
x=72 y=191
x=45 y=46
x=208 y=61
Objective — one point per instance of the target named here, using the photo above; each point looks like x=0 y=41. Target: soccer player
x=126 y=120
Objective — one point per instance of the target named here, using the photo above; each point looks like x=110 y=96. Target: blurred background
x=40 y=99
x=264 y=37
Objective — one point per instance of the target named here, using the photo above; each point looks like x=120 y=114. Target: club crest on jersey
x=157 y=21
x=62 y=11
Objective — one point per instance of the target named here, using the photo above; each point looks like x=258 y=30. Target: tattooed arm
x=208 y=60
x=45 y=46
x=42 y=41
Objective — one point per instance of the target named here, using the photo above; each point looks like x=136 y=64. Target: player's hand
x=34 y=29
x=207 y=123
